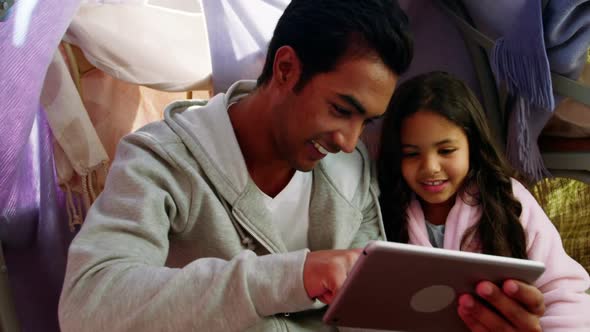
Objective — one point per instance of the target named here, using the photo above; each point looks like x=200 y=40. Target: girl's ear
x=286 y=68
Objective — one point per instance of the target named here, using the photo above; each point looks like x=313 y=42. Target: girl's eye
x=447 y=151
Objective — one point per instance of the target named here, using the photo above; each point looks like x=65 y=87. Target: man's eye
x=341 y=111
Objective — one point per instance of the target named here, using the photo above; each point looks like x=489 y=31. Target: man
x=239 y=214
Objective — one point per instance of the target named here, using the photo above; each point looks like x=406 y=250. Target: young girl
x=444 y=184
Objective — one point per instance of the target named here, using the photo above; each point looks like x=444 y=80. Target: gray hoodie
x=176 y=242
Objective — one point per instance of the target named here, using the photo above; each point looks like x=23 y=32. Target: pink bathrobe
x=564 y=282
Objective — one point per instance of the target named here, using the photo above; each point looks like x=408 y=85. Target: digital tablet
x=405 y=287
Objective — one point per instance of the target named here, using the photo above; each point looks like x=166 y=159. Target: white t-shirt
x=290 y=210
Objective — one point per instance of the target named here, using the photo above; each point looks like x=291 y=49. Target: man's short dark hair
x=322 y=32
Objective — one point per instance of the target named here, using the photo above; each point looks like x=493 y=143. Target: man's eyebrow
x=354 y=103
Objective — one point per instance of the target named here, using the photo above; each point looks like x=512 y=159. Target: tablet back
x=405 y=287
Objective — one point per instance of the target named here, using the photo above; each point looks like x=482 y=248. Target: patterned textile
x=567 y=203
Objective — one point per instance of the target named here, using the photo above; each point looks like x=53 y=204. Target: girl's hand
x=518 y=307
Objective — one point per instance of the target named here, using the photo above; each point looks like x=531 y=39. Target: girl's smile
x=434 y=186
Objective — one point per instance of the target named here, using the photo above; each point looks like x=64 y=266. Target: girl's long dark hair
x=499 y=228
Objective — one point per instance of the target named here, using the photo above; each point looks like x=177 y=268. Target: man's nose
x=347 y=138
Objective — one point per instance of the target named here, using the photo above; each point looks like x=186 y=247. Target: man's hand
x=520 y=306
x=324 y=272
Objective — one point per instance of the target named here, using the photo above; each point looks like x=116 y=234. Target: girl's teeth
x=320 y=148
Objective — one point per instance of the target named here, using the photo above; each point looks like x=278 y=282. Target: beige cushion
x=571 y=118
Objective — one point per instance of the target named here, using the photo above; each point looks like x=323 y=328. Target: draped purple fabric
x=33 y=227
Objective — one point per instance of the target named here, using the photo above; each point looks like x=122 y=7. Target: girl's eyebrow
x=444 y=141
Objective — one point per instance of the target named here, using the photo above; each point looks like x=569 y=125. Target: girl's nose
x=430 y=165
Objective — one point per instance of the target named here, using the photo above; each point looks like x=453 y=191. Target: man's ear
x=286 y=67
